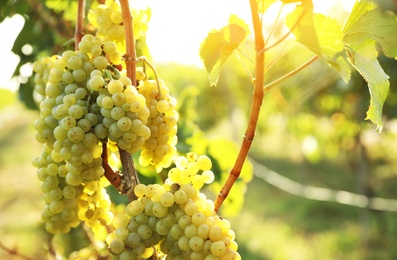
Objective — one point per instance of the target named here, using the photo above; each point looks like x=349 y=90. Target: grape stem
x=79 y=24
x=129 y=177
x=255 y=108
x=113 y=177
x=156 y=76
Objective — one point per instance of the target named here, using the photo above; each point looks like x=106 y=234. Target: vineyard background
x=311 y=130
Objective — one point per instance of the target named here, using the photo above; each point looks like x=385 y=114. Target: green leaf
x=322 y=35
x=359 y=9
x=263 y=5
x=365 y=62
x=366 y=26
x=220 y=44
x=301 y=23
x=376 y=25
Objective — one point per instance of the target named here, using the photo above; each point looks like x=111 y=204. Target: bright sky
x=176 y=29
x=9 y=30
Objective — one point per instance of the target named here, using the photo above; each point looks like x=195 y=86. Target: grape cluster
x=175 y=218
x=108 y=21
x=159 y=149
x=71 y=165
x=124 y=114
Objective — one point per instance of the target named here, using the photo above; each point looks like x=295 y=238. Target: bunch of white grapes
x=108 y=20
x=160 y=148
x=174 y=220
x=71 y=165
x=87 y=101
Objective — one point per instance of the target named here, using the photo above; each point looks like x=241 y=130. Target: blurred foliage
x=311 y=129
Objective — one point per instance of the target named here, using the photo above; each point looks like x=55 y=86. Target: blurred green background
x=311 y=131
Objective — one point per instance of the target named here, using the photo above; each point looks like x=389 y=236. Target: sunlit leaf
x=376 y=25
x=301 y=23
x=366 y=26
x=263 y=5
x=220 y=44
x=359 y=9
x=322 y=35
x=330 y=39
x=365 y=62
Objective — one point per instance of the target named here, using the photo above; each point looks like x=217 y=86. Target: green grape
x=100 y=62
x=115 y=86
x=79 y=75
x=74 y=63
x=218 y=248
x=196 y=243
x=96 y=50
x=116 y=246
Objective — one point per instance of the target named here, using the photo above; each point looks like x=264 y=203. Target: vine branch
x=290 y=74
x=130 y=177
x=255 y=108
x=130 y=55
x=113 y=177
x=14 y=252
x=266 y=48
x=79 y=24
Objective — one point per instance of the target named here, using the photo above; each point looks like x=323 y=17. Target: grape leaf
x=322 y=35
x=365 y=61
x=359 y=9
x=220 y=44
x=264 y=4
x=301 y=23
x=376 y=25
x=366 y=26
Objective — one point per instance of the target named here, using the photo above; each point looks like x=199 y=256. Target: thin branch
x=130 y=177
x=113 y=177
x=246 y=69
x=274 y=25
x=322 y=194
x=79 y=24
x=255 y=108
x=245 y=55
x=156 y=76
x=14 y=252
x=279 y=56
x=130 y=55
x=290 y=74
x=266 y=48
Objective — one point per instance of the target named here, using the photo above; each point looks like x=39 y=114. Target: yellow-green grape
x=159 y=150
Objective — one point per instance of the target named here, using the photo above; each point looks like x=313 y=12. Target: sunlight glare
x=178 y=27
x=9 y=30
